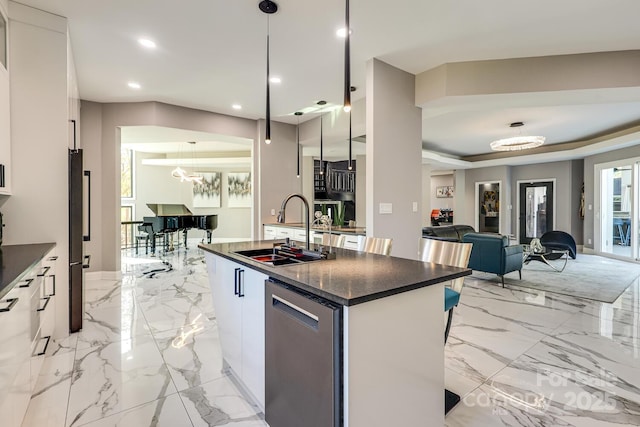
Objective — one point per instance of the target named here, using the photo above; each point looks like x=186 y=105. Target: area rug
x=588 y=276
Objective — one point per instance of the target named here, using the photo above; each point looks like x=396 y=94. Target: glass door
x=616 y=210
x=536 y=209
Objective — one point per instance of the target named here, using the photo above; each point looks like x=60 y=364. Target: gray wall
x=394 y=157
x=440 y=202
x=589 y=190
x=568 y=179
x=101 y=138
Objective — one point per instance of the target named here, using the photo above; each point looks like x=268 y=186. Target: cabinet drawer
x=283 y=233
x=300 y=235
x=352 y=242
x=269 y=233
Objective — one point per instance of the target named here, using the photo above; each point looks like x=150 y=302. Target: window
x=126 y=230
x=126 y=173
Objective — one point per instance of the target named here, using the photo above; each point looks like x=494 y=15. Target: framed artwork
x=239 y=184
x=444 y=191
x=207 y=194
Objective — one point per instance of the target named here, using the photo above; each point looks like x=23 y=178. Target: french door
x=617 y=214
x=536 y=214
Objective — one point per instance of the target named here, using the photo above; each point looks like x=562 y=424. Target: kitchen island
x=389 y=349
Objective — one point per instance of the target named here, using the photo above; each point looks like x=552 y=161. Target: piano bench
x=144 y=237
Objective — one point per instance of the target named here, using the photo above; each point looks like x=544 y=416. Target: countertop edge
x=272 y=272
x=43 y=250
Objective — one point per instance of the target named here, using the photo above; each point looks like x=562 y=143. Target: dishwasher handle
x=294 y=311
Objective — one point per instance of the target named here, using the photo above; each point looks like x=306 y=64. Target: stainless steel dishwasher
x=303 y=384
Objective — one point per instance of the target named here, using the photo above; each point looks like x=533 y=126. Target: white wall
x=38 y=210
x=154 y=184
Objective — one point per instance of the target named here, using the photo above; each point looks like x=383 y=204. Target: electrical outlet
x=415 y=206
x=589 y=241
x=273 y=212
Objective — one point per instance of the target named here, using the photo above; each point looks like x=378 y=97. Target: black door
x=536 y=209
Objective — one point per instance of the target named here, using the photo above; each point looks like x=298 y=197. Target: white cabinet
x=15 y=381
x=284 y=233
x=238 y=298
x=5 y=132
x=353 y=242
x=269 y=232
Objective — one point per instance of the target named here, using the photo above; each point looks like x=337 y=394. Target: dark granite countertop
x=360 y=231
x=352 y=278
x=15 y=260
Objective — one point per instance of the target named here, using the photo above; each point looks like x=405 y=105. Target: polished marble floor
x=149 y=355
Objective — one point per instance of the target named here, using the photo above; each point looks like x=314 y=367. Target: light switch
x=415 y=206
x=273 y=212
x=386 y=208
x=590 y=207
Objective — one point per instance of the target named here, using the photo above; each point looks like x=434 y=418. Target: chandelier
x=183 y=175
x=519 y=142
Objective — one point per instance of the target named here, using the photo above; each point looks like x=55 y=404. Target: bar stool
x=377 y=245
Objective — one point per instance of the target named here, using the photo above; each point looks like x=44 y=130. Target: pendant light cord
x=268 y=112
x=350 y=167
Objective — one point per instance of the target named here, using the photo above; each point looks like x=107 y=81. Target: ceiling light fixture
x=194 y=176
x=149 y=44
x=236 y=107
x=517 y=142
x=347 y=62
x=276 y=80
x=134 y=85
x=268 y=7
x=298 y=114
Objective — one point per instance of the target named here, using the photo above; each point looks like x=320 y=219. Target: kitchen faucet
x=281 y=214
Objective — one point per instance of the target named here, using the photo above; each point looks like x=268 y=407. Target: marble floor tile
x=115 y=377
x=192 y=355
x=48 y=404
x=219 y=402
x=112 y=324
x=172 y=314
x=473 y=361
x=459 y=384
x=165 y=412
x=114 y=296
x=59 y=346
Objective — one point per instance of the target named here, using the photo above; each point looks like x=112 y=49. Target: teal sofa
x=491 y=253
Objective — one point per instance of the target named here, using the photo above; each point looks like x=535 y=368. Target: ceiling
x=211 y=54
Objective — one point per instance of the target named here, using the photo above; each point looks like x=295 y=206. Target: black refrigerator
x=77 y=260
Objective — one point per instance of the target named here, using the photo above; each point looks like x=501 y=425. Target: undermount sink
x=277 y=257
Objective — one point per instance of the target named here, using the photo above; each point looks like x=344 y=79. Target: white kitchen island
x=391 y=347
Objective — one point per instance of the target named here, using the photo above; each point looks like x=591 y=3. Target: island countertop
x=16 y=260
x=352 y=278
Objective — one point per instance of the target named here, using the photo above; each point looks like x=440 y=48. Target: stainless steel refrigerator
x=77 y=259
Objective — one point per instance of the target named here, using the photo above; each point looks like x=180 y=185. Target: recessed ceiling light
x=237 y=107
x=134 y=85
x=275 y=80
x=149 y=44
x=342 y=32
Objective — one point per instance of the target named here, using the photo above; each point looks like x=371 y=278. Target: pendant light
x=321 y=104
x=350 y=166
x=268 y=7
x=298 y=114
x=321 y=147
x=347 y=62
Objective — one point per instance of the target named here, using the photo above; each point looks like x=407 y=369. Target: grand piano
x=171 y=218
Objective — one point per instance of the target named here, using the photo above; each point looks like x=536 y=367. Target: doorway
x=618 y=186
x=488 y=207
x=536 y=210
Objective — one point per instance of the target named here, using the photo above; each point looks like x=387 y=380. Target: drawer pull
x=53 y=258
x=26 y=284
x=12 y=302
x=45 y=271
x=46 y=302
x=44 y=350
x=53 y=294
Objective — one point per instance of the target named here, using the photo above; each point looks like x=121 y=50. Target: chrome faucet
x=281 y=214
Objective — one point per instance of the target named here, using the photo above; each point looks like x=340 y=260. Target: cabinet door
x=252 y=296
x=283 y=233
x=223 y=276
x=269 y=233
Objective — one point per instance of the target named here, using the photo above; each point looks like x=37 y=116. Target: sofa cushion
x=452 y=233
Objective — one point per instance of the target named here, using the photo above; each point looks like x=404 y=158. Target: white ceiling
x=211 y=54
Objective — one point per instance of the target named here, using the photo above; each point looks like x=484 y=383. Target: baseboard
x=103 y=275
x=589 y=251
